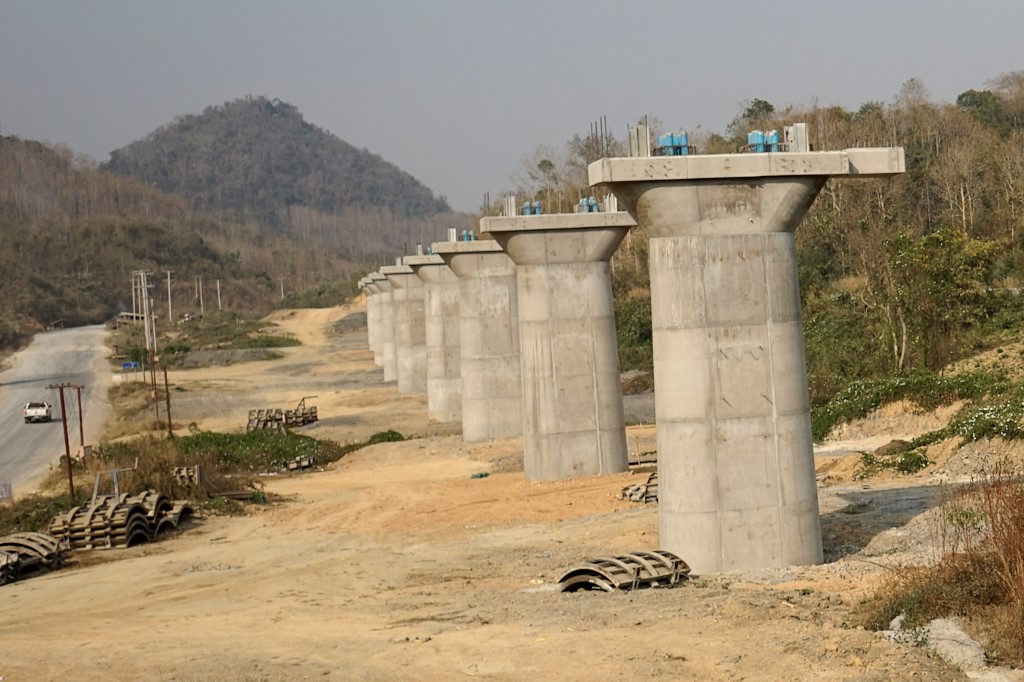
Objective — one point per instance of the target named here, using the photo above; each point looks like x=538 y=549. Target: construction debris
x=301 y=462
x=119 y=521
x=260 y=420
x=646 y=492
x=627 y=572
x=278 y=420
x=187 y=475
x=301 y=415
x=23 y=555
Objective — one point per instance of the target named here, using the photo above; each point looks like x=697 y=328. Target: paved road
x=75 y=356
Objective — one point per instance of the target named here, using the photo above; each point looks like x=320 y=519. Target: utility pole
x=218 y=294
x=135 y=289
x=167 y=396
x=64 y=423
x=144 y=296
x=281 y=280
x=202 y=308
x=81 y=424
x=149 y=320
x=170 y=313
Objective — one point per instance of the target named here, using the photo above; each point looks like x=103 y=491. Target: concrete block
x=734 y=281
x=687 y=464
x=789 y=369
x=801 y=534
x=743 y=372
x=781 y=271
x=683 y=367
x=746 y=462
x=751 y=538
x=695 y=538
x=677 y=283
x=796 y=460
x=876 y=161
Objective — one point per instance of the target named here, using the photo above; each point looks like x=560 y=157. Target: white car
x=36 y=412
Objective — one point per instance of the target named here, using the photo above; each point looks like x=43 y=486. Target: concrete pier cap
x=492 y=391
x=736 y=482
x=441 y=321
x=410 y=335
x=573 y=422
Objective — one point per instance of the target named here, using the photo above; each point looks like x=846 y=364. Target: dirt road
x=397 y=564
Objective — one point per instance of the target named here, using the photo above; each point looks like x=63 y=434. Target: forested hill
x=258 y=157
x=71 y=235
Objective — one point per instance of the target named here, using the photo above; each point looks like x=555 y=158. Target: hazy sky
x=458 y=92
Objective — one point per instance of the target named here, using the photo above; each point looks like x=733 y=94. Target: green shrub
x=175 y=347
x=34 y=512
x=909 y=461
x=265 y=341
x=388 y=436
x=926 y=389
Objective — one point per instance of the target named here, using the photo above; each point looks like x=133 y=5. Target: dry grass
x=980 y=574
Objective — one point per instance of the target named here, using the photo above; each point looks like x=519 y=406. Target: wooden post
x=167 y=397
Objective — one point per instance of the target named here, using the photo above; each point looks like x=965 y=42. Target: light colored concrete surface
x=573 y=422
x=410 y=332
x=372 y=311
x=736 y=471
x=492 y=393
x=389 y=352
x=364 y=286
x=441 y=317
x=374 y=318
x=864 y=162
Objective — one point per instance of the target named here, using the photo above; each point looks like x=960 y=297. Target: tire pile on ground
x=23 y=555
x=122 y=521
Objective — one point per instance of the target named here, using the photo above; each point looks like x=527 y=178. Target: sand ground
x=396 y=564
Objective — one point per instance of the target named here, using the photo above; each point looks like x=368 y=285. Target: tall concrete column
x=389 y=352
x=364 y=286
x=573 y=423
x=374 y=321
x=736 y=484
x=441 y=315
x=492 y=393
x=410 y=333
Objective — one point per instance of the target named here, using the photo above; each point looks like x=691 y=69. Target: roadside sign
x=129 y=365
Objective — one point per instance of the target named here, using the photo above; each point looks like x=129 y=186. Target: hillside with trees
x=258 y=158
x=247 y=193
x=71 y=235
x=898 y=275
x=257 y=162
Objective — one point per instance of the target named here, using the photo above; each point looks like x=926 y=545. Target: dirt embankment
x=396 y=563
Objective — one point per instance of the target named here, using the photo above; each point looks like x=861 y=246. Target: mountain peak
x=257 y=156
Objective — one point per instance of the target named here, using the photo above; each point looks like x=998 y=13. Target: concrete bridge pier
x=364 y=286
x=736 y=481
x=492 y=392
x=441 y=319
x=573 y=423
x=374 y=321
x=389 y=353
x=410 y=334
